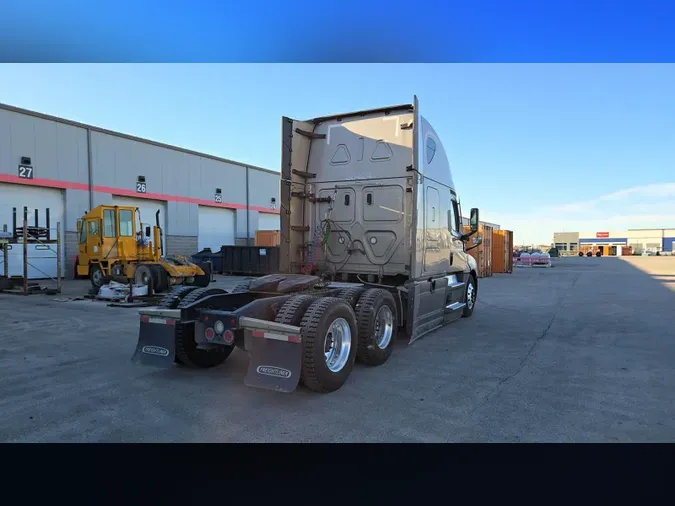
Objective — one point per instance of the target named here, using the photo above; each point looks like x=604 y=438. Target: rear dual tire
x=187 y=353
x=329 y=340
x=335 y=334
x=378 y=325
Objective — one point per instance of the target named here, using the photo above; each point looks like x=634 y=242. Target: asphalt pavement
x=582 y=352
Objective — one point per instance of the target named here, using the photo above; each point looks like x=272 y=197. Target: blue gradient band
x=336 y=31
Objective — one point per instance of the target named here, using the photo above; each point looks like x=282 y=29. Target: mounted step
x=303 y=173
x=312 y=198
x=310 y=135
x=455 y=306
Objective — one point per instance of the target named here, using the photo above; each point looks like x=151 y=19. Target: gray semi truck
x=371 y=250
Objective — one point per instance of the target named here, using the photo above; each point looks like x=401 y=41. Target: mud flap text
x=275 y=363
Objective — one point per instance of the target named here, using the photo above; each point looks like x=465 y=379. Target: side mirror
x=473 y=221
x=147 y=231
x=473 y=224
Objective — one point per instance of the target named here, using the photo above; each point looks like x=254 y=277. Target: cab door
x=89 y=247
x=94 y=238
x=458 y=257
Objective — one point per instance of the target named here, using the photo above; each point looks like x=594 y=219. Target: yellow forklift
x=115 y=245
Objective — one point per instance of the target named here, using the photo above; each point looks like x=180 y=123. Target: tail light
x=209 y=333
x=228 y=337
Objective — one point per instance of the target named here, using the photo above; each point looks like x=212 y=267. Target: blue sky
x=537 y=147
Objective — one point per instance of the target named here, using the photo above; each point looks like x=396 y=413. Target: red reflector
x=293 y=339
x=206 y=318
x=145 y=319
x=171 y=322
x=233 y=322
x=209 y=333
x=228 y=336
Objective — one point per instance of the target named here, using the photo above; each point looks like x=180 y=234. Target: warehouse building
x=616 y=242
x=68 y=168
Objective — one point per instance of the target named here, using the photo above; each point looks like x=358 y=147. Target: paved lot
x=581 y=352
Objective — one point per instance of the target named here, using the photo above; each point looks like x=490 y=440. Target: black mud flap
x=156 y=342
x=275 y=364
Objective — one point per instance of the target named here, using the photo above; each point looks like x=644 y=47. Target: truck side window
x=83 y=233
x=93 y=227
x=126 y=223
x=454 y=214
x=431 y=149
x=108 y=223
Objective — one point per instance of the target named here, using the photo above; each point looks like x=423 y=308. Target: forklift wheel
x=160 y=280
x=143 y=274
x=96 y=276
x=203 y=280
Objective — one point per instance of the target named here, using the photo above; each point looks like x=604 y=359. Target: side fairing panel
x=433 y=243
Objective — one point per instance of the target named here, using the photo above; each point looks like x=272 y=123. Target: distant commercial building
x=616 y=242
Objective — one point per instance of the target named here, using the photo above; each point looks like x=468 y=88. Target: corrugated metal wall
x=59 y=152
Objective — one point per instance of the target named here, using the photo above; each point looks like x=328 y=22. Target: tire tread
x=310 y=323
x=365 y=313
x=293 y=310
x=194 y=357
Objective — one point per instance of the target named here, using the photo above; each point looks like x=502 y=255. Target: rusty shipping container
x=483 y=253
x=502 y=251
x=267 y=238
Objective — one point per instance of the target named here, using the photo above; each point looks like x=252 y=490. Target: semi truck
x=371 y=250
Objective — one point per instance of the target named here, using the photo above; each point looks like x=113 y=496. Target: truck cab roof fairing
x=433 y=162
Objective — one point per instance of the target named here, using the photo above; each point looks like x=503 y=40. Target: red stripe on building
x=49 y=183
x=65 y=185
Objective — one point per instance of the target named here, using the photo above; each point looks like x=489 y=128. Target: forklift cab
x=106 y=234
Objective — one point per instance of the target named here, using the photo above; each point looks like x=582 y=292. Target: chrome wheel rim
x=337 y=344
x=470 y=295
x=384 y=327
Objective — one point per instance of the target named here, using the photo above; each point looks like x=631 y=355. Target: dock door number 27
x=25 y=172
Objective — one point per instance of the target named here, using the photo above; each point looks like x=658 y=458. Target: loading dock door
x=216 y=228
x=269 y=221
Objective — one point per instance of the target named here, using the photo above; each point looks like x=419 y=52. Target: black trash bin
x=207 y=255
x=250 y=260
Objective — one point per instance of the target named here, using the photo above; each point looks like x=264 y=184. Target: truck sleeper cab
x=371 y=246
